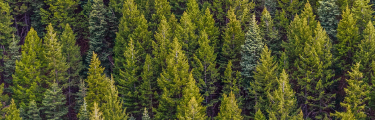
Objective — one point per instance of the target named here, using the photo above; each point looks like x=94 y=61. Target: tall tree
x=96 y=114
x=291 y=7
x=232 y=81
x=172 y=81
x=96 y=83
x=365 y=53
x=190 y=106
x=54 y=103
x=11 y=112
x=59 y=13
x=162 y=8
x=10 y=61
x=207 y=24
x=347 y=40
x=356 y=96
x=328 y=13
x=193 y=10
x=145 y=115
x=187 y=36
x=147 y=87
x=83 y=112
x=112 y=108
x=362 y=12
x=229 y=108
x=161 y=45
x=33 y=112
x=27 y=78
x=270 y=33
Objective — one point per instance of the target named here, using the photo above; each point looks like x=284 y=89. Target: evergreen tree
x=207 y=24
x=259 y=115
x=11 y=112
x=229 y=109
x=80 y=95
x=231 y=81
x=193 y=10
x=56 y=65
x=282 y=24
x=59 y=13
x=362 y=12
x=283 y=103
x=33 y=112
x=171 y=81
x=97 y=28
x=27 y=78
x=145 y=115
x=328 y=13
x=190 y=106
x=187 y=37
x=3 y=98
x=291 y=7
x=6 y=31
x=10 y=61
x=347 y=40
x=161 y=45
x=54 y=103
x=233 y=39
x=178 y=7
x=365 y=53
x=148 y=86
x=83 y=112
x=269 y=33
x=96 y=83
x=96 y=114
x=112 y=108
x=162 y=8
x=356 y=96
x=264 y=80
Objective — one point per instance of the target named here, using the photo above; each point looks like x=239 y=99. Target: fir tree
x=190 y=106
x=27 y=78
x=229 y=109
x=171 y=81
x=80 y=95
x=162 y=8
x=11 y=112
x=291 y=7
x=145 y=115
x=96 y=114
x=161 y=45
x=10 y=61
x=362 y=12
x=148 y=85
x=193 y=10
x=365 y=53
x=96 y=83
x=33 y=112
x=59 y=13
x=83 y=112
x=231 y=81
x=54 y=103
x=112 y=108
x=269 y=33
x=3 y=98
x=187 y=37
x=328 y=12
x=356 y=96
x=347 y=40
x=259 y=115
x=207 y=24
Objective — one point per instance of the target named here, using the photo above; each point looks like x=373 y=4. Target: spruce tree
x=259 y=115
x=291 y=7
x=80 y=95
x=187 y=37
x=190 y=106
x=365 y=53
x=356 y=95
x=54 y=103
x=112 y=108
x=27 y=77
x=33 y=112
x=362 y=12
x=269 y=33
x=147 y=87
x=172 y=81
x=96 y=83
x=161 y=45
x=11 y=112
x=207 y=24
x=83 y=112
x=162 y=8
x=192 y=9
x=232 y=81
x=10 y=61
x=59 y=13
x=96 y=114
x=347 y=38
x=328 y=12
x=229 y=108
x=97 y=28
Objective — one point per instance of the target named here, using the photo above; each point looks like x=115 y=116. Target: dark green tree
x=59 y=13
x=54 y=103
x=6 y=31
x=269 y=33
x=363 y=13
x=207 y=24
x=365 y=53
x=10 y=61
x=328 y=13
x=33 y=112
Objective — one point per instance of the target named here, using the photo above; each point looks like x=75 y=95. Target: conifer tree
x=112 y=108
x=269 y=33
x=145 y=115
x=229 y=108
x=162 y=8
x=362 y=12
x=6 y=31
x=347 y=40
x=33 y=112
x=207 y=24
x=83 y=112
x=96 y=83
x=231 y=81
x=11 y=112
x=80 y=95
x=27 y=78
x=96 y=114
x=291 y=7
x=59 y=13
x=171 y=81
x=56 y=66
x=283 y=103
x=54 y=103
x=147 y=97
x=97 y=28
x=190 y=106
x=356 y=95
x=282 y=23
x=328 y=12
x=161 y=45
x=365 y=53
x=3 y=98
x=10 y=60
x=259 y=115
x=187 y=37
x=264 y=80
x=192 y=9
x=233 y=39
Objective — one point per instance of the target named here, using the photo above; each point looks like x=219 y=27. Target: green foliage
x=33 y=112
x=145 y=115
x=259 y=115
x=11 y=112
x=328 y=12
x=147 y=86
x=161 y=45
x=291 y=7
x=229 y=109
x=112 y=108
x=10 y=60
x=83 y=112
x=362 y=12
x=193 y=10
x=231 y=80
x=162 y=8
x=187 y=37
x=59 y=13
x=269 y=33
x=54 y=103
x=365 y=53
x=96 y=114
x=356 y=96
x=207 y=24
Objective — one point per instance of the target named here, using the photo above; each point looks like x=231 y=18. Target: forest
x=187 y=60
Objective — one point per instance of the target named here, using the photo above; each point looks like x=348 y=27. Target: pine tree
x=283 y=103
x=205 y=72
x=178 y=7
x=59 y=13
x=356 y=95
x=54 y=103
x=83 y=112
x=269 y=33
x=161 y=45
x=145 y=115
x=282 y=24
x=347 y=40
x=10 y=61
x=233 y=38
x=112 y=108
x=271 y=7
x=33 y=112
x=27 y=78
x=12 y=113
x=362 y=12
x=291 y=7
x=207 y=24
x=80 y=95
x=231 y=81
x=171 y=81
x=56 y=65
x=162 y=8
x=328 y=12
x=96 y=114
x=190 y=106
x=193 y=10
x=365 y=53
x=148 y=85
x=259 y=115
x=96 y=83
x=3 y=98
x=229 y=109
x=187 y=37
x=97 y=28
